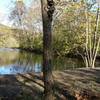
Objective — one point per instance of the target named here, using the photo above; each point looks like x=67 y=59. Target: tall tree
x=48 y=8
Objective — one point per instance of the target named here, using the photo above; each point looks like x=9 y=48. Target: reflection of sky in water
x=13 y=61
x=14 y=69
x=8 y=49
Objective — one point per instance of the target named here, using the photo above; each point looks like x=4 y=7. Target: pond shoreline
x=30 y=50
x=70 y=55
x=73 y=83
x=37 y=51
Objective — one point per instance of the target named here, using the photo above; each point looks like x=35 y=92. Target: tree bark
x=47 y=7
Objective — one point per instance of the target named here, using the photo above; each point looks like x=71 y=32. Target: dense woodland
x=75 y=29
x=69 y=27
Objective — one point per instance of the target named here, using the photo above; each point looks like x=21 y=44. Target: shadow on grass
x=13 y=88
x=66 y=85
x=59 y=92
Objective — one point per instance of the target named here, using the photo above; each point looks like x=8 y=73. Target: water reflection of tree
x=27 y=62
x=68 y=63
x=7 y=57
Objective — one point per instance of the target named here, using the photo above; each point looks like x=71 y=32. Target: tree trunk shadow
x=13 y=89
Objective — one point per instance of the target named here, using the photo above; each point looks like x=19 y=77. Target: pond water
x=13 y=61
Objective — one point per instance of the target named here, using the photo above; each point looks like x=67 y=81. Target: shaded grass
x=68 y=85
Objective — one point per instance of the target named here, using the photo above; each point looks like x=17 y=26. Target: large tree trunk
x=47 y=7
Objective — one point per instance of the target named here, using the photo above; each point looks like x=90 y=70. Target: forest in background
x=69 y=27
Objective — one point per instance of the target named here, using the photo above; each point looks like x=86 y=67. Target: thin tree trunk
x=47 y=7
x=87 y=39
x=97 y=47
x=95 y=32
x=96 y=42
x=90 y=42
